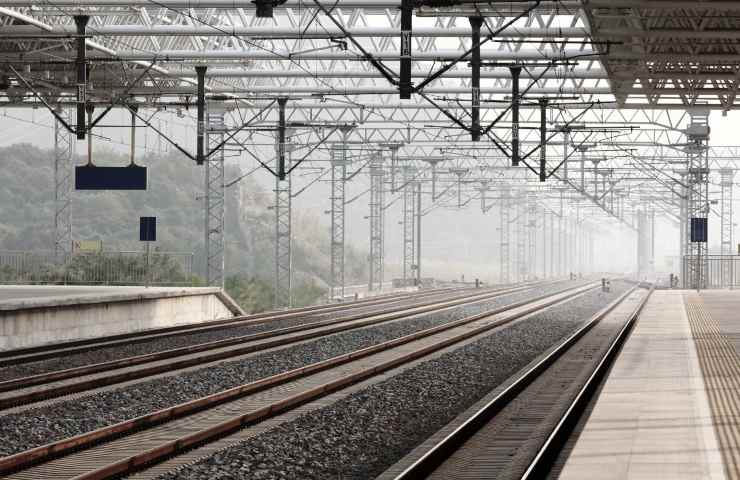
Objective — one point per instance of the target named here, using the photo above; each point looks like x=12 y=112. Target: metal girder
x=521 y=235
x=63 y=153
x=531 y=231
x=410 y=186
x=645 y=260
x=727 y=246
x=697 y=199
x=283 y=228
x=340 y=159
x=377 y=222
x=215 y=201
x=505 y=236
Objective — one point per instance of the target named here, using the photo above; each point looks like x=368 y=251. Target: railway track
x=28 y=390
x=35 y=354
x=131 y=445
x=518 y=432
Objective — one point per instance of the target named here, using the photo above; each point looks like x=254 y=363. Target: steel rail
x=549 y=451
x=243 y=346
x=40 y=454
x=454 y=441
x=33 y=354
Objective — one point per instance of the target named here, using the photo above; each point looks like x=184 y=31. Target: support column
x=409 y=222
x=643 y=244
x=214 y=199
x=516 y=70
x=338 y=178
x=81 y=67
x=417 y=233
x=531 y=236
x=475 y=63
x=727 y=176
x=545 y=251
x=521 y=237
x=283 y=224
x=561 y=239
x=504 y=239
x=377 y=222
x=552 y=240
x=63 y=152
x=695 y=262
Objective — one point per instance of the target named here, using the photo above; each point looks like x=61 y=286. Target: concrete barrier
x=38 y=315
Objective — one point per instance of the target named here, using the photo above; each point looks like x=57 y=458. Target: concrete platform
x=662 y=413
x=33 y=315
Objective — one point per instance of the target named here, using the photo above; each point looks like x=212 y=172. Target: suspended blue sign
x=148 y=229
x=699 y=230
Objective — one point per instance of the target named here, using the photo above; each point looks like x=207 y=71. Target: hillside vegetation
x=174 y=196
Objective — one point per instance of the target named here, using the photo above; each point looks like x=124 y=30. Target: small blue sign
x=148 y=229
x=699 y=230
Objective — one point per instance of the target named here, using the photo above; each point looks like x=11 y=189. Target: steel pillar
x=417 y=233
x=475 y=63
x=214 y=199
x=339 y=160
x=521 y=237
x=727 y=248
x=643 y=244
x=695 y=261
x=561 y=239
x=377 y=222
x=504 y=236
x=63 y=153
x=531 y=236
x=409 y=223
x=283 y=234
x=552 y=239
x=545 y=252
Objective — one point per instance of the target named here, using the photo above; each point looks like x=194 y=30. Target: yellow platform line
x=720 y=365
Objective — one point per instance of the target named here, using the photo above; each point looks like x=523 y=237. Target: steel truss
x=339 y=160
x=505 y=236
x=727 y=177
x=377 y=222
x=252 y=61
x=411 y=214
x=521 y=236
x=283 y=233
x=644 y=243
x=697 y=199
x=63 y=153
x=214 y=198
x=532 y=222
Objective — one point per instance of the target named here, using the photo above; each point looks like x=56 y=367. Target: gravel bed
x=38 y=426
x=362 y=435
x=107 y=354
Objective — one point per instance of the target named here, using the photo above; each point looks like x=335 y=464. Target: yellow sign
x=87 y=246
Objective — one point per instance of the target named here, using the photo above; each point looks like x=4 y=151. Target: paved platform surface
x=653 y=418
x=19 y=297
x=724 y=307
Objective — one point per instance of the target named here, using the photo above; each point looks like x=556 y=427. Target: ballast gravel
x=107 y=354
x=365 y=433
x=38 y=426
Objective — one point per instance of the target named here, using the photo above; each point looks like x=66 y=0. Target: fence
x=104 y=268
x=719 y=271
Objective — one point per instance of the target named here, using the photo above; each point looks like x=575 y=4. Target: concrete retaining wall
x=27 y=322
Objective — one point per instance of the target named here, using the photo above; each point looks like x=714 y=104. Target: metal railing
x=716 y=271
x=103 y=268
